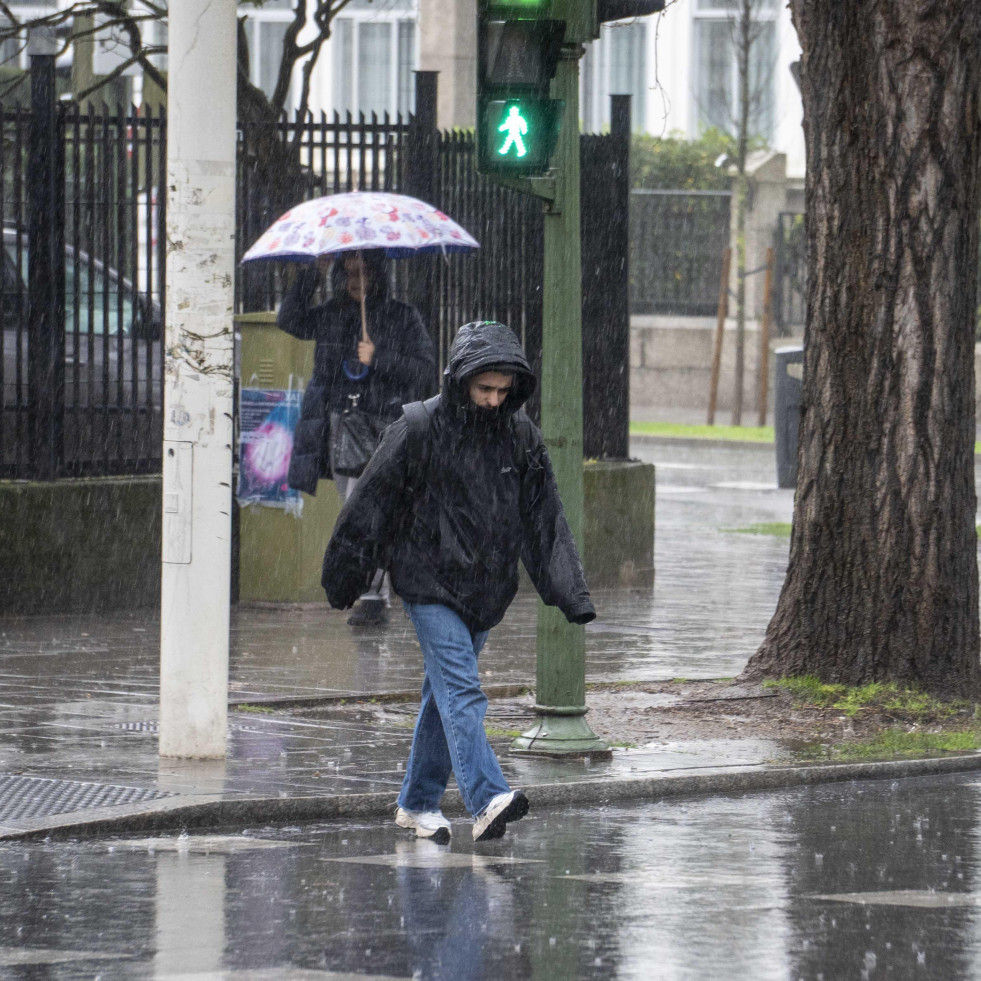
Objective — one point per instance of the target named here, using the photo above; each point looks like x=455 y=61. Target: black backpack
x=419 y=415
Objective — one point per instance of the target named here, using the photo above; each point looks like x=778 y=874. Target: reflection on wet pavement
x=859 y=880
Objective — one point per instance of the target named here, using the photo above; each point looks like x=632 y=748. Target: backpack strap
x=419 y=416
x=521 y=428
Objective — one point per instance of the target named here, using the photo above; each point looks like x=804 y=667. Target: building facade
x=679 y=66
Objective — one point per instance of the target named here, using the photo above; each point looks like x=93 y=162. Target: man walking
x=449 y=513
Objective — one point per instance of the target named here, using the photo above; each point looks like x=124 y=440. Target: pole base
x=561 y=736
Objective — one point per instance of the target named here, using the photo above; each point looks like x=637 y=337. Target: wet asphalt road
x=865 y=880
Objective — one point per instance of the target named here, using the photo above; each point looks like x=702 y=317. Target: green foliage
x=255 y=709
x=674 y=163
x=881 y=696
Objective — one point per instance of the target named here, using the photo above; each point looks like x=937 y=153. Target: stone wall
x=80 y=545
x=671 y=364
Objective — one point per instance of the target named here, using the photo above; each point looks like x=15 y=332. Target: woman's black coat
x=478 y=507
x=403 y=368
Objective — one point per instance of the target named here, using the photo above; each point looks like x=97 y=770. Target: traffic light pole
x=561 y=673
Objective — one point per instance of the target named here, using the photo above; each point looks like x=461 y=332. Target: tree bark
x=882 y=582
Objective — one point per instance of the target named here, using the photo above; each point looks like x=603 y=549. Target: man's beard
x=485 y=417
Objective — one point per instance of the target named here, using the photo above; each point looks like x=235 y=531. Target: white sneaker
x=492 y=823
x=426 y=824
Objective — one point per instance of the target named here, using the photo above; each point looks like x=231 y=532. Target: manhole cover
x=31 y=797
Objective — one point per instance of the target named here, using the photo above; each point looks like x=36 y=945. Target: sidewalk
x=321 y=715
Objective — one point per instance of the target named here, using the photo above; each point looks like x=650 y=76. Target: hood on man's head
x=376 y=268
x=486 y=345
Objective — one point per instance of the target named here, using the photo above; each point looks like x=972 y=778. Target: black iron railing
x=677 y=239
x=108 y=267
x=790 y=281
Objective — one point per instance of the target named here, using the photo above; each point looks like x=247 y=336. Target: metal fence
x=676 y=243
x=108 y=193
x=328 y=155
x=502 y=281
x=106 y=268
x=790 y=281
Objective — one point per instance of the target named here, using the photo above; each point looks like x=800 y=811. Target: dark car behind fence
x=110 y=263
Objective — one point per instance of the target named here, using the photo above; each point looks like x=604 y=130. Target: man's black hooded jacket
x=480 y=505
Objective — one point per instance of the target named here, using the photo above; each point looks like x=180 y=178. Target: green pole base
x=561 y=732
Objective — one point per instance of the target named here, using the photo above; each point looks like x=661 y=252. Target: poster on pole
x=267 y=421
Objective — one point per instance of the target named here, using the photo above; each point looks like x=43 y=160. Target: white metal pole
x=198 y=385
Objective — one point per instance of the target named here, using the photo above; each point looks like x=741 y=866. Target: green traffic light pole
x=562 y=729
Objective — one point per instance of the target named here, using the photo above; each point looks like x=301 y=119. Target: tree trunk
x=882 y=582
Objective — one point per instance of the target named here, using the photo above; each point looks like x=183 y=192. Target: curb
x=696 y=441
x=284 y=702
x=184 y=813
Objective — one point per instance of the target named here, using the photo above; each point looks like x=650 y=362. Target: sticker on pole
x=267 y=422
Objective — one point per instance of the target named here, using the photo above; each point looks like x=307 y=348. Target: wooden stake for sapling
x=723 y=309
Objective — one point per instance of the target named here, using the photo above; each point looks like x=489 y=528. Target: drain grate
x=141 y=726
x=32 y=797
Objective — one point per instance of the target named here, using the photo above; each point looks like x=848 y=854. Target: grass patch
x=619 y=744
x=780 y=529
x=255 y=709
x=898 y=743
x=493 y=731
x=887 y=697
x=743 y=434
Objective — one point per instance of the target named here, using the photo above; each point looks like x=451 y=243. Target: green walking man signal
x=517 y=136
x=515 y=127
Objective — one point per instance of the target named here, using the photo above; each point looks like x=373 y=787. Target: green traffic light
x=516 y=128
x=517 y=135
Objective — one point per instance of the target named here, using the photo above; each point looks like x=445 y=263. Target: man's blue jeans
x=449 y=733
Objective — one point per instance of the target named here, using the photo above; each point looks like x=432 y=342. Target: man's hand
x=366 y=352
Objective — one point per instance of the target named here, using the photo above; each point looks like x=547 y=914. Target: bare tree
x=126 y=24
x=882 y=582
x=743 y=115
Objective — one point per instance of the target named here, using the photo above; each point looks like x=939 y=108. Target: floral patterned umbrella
x=398 y=225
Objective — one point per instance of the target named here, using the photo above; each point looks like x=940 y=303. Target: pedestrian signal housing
x=607 y=10
x=518 y=47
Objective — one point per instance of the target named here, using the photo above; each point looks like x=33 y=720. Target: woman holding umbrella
x=373 y=354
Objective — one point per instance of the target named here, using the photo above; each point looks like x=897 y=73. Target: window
x=716 y=71
x=374 y=56
x=614 y=65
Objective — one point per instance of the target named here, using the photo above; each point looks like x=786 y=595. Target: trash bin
x=280 y=551
x=786 y=411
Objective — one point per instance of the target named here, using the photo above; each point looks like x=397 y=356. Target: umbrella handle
x=364 y=315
